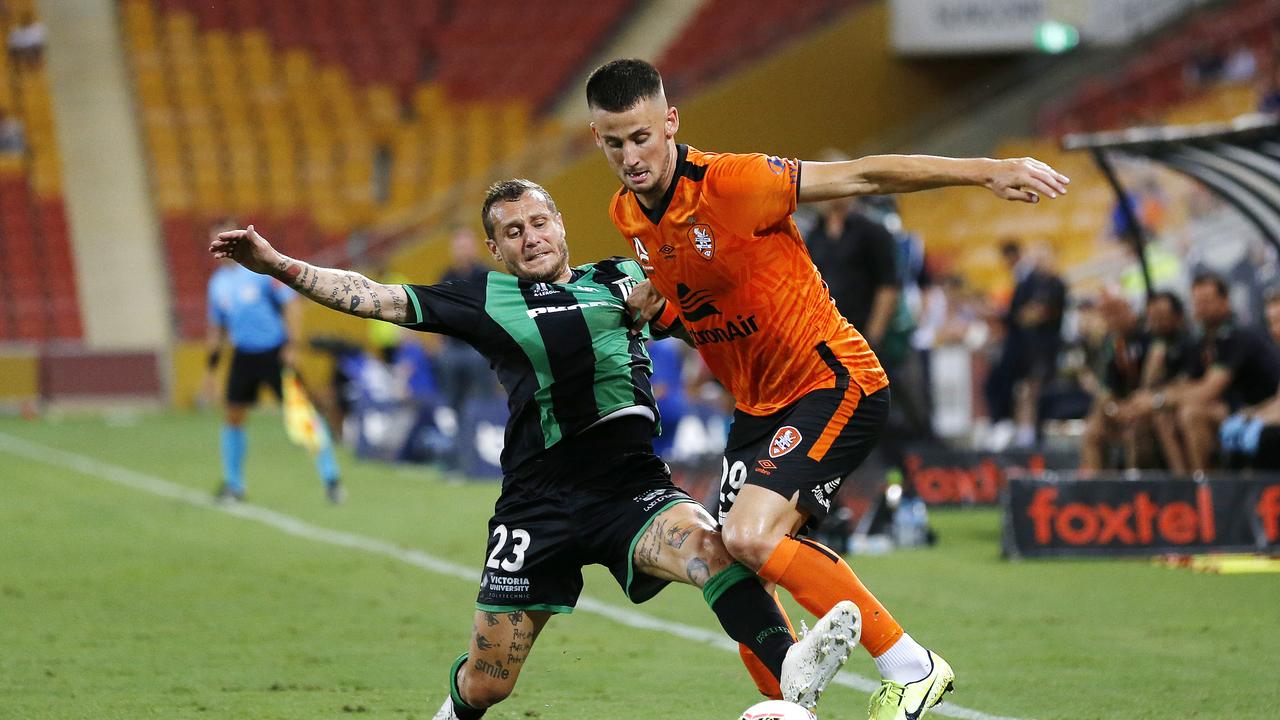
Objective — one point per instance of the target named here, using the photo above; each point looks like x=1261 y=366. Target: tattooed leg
x=500 y=644
x=682 y=545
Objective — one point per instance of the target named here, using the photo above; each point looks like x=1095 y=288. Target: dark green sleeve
x=449 y=308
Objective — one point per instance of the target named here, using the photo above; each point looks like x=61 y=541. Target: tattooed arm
x=343 y=290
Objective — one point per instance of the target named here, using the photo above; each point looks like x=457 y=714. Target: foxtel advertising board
x=944 y=477
x=1140 y=517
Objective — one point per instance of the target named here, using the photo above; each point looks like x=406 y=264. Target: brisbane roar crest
x=703 y=241
x=784 y=441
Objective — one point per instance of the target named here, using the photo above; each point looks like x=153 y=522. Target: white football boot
x=819 y=654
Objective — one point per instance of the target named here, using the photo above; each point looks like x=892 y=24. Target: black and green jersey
x=562 y=350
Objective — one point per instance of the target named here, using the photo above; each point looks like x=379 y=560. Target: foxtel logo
x=1132 y=523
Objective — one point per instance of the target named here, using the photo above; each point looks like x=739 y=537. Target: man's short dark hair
x=510 y=191
x=1214 y=279
x=619 y=85
x=1010 y=247
x=1175 y=302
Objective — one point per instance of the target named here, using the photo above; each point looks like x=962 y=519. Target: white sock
x=905 y=661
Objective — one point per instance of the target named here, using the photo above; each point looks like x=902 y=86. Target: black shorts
x=251 y=370
x=808 y=447
x=592 y=498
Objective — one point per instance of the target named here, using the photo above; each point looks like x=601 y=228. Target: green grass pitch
x=117 y=603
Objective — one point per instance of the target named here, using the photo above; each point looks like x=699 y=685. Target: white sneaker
x=819 y=654
x=446 y=710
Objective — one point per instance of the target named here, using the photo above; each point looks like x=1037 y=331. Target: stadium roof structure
x=1239 y=161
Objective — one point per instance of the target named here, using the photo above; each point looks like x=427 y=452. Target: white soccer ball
x=777 y=710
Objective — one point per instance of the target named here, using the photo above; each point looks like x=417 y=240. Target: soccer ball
x=777 y=710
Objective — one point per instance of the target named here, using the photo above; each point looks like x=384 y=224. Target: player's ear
x=595 y=134
x=673 y=122
x=493 y=249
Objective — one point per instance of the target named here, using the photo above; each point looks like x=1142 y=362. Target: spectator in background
x=1170 y=363
x=1033 y=337
x=463 y=372
x=857 y=257
x=1241 y=369
x=26 y=41
x=12 y=137
x=1125 y=349
x=1251 y=437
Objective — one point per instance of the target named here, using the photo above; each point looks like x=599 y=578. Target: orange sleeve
x=757 y=191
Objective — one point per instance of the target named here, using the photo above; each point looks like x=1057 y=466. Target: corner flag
x=302 y=423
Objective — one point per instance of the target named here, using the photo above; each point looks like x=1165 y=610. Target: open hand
x=1025 y=180
x=248 y=248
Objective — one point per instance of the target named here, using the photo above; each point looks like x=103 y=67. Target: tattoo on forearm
x=484 y=643
x=490 y=619
x=698 y=572
x=343 y=290
x=516 y=617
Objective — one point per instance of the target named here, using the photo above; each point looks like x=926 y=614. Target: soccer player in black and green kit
x=581 y=483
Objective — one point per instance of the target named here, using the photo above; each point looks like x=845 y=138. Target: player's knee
x=711 y=552
x=481 y=691
x=749 y=546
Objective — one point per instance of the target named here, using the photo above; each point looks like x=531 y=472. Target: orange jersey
x=723 y=247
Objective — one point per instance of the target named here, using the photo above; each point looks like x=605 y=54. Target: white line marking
x=299 y=528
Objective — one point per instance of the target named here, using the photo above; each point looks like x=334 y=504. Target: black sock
x=460 y=707
x=749 y=615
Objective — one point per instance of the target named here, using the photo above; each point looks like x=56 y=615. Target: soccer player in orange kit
x=715 y=236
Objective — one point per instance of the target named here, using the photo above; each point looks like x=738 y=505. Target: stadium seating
x=356 y=111
x=35 y=252
x=725 y=33
x=1162 y=80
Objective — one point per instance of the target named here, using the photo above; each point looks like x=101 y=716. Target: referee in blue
x=260 y=317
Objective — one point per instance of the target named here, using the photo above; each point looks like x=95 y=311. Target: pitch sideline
x=288 y=524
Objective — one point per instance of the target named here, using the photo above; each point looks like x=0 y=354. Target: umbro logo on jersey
x=784 y=441
x=668 y=252
x=703 y=240
x=695 y=304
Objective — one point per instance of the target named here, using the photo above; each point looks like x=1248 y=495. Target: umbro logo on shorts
x=784 y=441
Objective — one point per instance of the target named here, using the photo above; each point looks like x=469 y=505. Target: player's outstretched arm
x=343 y=290
x=1022 y=179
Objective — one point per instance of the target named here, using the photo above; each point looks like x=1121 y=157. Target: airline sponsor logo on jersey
x=695 y=304
x=704 y=241
x=784 y=441
x=730 y=331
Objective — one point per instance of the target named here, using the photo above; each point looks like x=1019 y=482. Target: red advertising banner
x=944 y=477
x=1140 y=517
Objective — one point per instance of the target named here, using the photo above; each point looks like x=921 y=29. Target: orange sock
x=818 y=579
x=765 y=682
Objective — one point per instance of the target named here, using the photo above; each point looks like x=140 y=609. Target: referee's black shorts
x=252 y=370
